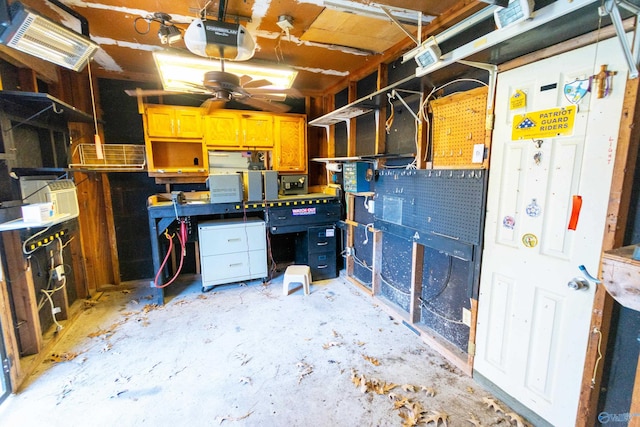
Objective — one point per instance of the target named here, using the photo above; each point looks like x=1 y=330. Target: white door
x=532 y=327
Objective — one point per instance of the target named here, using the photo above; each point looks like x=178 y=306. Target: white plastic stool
x=297 y=274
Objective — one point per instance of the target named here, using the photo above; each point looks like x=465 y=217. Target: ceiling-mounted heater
x=31 y=33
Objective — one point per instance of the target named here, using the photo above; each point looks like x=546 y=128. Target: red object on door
x=575 y=212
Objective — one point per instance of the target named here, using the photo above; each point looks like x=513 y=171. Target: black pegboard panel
x=445 y=203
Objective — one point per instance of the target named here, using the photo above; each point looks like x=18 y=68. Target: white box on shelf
x=38 y=212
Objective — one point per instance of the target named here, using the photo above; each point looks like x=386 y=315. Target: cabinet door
x=222 y=129
x=257 y=130
x=160 y=121
x=290 y=144
x=188 y=123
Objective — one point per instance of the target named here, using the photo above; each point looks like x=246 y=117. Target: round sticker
x=509 y=222
x=533 y=209
x=530 y=240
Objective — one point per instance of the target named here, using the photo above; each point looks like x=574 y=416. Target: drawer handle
x=235 y=264
x=237 y=239
x=323 y=266
x=322 y=243
x=282 y=217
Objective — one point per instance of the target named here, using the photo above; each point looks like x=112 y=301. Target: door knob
x=578 y=283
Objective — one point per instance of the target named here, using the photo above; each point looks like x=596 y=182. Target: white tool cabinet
x=232 y=250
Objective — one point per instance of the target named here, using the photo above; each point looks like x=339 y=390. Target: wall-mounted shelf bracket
x=611 y=8
x=493 y=75
x=394 y=94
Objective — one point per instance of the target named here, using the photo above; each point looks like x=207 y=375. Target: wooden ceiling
x=326 y=47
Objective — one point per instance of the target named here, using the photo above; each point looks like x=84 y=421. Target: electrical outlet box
x=466 y=316
x=58 y=272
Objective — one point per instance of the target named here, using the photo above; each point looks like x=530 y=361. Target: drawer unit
x=317 y=248
x=232 y=250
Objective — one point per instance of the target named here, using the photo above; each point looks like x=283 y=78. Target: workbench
x=287 y=214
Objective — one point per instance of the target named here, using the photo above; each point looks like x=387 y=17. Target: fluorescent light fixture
x=180 y=72
x=31 y=33
x=374 y=10
x=516 y=11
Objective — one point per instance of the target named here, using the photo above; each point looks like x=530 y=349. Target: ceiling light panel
x=181 y=72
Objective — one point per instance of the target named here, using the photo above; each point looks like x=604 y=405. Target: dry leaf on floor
x=492 y=404
x=62 y=357
x=201 y=296
x=88 y=303
x=474 y=420
x=360 y=343
x=401 y=402
x=516 y=418
x=372 y=360
x=393 y=396
x=243 y=358
x=328 y=345
x=245 y=380
x=336 y=334
x=304 y=370
x=470 y=390
x=429 y=391
x=230 y=418
x=437 y=417
x=409 y=387
x=411 y=419
x=150 y=307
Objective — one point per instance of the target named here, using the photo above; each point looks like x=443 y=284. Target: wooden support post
x=9 y=334
x=111 y=229
x=350 y=201
x=626 y=155
x=471 y=347
x=351 y=136
x=417 y=262
x=23 y=295
x=381 y=132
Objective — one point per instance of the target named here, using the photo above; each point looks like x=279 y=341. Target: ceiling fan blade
x=244 y=79
x=260 y=104
x=150 y=92
x=199 y=87
x=292 y=92
x=256 y=83
x=212 y=104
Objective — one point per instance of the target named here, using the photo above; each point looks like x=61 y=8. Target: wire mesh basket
x=116 y=157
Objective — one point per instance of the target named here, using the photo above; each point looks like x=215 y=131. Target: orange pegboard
x=458 y=123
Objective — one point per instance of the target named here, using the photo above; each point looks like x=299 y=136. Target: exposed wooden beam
x=456 y=13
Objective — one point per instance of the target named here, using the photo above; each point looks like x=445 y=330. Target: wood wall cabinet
x=168 y=121
x=290 y=148
x=174 y=141
x=238 y=130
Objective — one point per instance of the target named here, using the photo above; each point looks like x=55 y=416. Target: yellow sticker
x=518 y=100
x=544 y=123
x=530 y=240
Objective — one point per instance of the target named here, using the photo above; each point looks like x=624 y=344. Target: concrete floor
x=246 y=355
